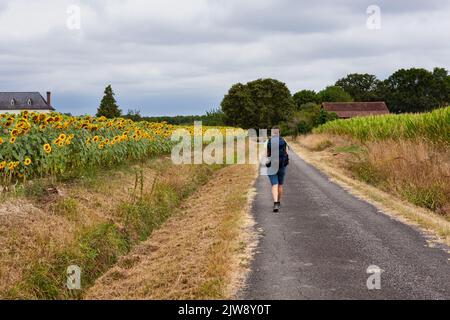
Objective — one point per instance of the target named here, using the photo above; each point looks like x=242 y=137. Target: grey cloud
x=183 y=58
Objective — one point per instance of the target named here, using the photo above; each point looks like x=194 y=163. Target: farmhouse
x=346 y=110
x=16 y=102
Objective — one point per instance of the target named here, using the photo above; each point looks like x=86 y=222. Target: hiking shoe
x=276 y=207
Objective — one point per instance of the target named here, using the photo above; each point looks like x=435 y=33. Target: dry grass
x=40 y=234
x=198 y=254
x=393 y=175
x=414 y=170
x=411 y=169
x=33 y=230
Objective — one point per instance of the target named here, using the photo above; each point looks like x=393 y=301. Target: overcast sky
x=180 y=57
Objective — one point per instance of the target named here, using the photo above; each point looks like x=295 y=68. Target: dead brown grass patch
x=41 y=233
x=198 y=254
x=32 y=230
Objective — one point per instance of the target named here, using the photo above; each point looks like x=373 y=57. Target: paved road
x=322 y=242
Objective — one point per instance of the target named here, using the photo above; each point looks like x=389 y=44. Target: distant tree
x=441 y=86
x=416 y=90
x=362 y=87
x=334 y=94
x=323 y=117
x=306 y=119
x=305 y=96
x=134 y=115
x=108 y=106
x=239 y=107
x=214 y=117
x=259 y=104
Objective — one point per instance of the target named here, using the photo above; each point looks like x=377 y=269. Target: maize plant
x=433 y=126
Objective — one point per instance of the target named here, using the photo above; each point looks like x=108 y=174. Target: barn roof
x=356 y=109
x=21 y=101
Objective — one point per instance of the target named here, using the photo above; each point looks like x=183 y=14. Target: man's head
x=275 y=131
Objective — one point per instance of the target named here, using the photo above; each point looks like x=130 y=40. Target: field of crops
x=433 y=126
x=40 y=145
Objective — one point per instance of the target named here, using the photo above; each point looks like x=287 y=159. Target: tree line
x=211 y=118
x=109 y=108
x=406 y=90
x=264 y=103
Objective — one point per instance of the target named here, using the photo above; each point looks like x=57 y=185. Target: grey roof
x=21 y=101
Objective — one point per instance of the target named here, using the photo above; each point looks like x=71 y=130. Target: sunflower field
x=43 y=145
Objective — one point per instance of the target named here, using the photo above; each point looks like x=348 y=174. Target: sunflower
x=1 y=140
x=12 y=140
x=47 y=148
x=27 y=162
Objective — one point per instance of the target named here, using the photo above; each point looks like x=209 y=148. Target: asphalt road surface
x=323 y=241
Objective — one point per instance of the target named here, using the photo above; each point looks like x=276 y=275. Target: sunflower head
x=47 y=148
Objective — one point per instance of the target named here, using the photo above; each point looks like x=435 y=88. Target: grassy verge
x=89 y=222
x=414 y=171
x=201 y=253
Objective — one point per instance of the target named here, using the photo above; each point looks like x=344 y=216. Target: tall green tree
x=415 y=90
x=108 y=106
x=362 y=87
x=305 y=96
x=306 y=119
x=441 y=86
x=259 y=104
x=334 y=94
x=239 y=108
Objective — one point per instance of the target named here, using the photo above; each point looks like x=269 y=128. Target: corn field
x=433 y=126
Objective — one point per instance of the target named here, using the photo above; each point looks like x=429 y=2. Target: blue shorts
x=278 y=179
